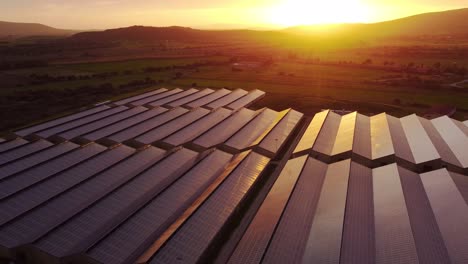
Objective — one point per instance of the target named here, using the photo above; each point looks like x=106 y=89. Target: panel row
x=347 y=213
x=414 y=142
x=88 y=204
x=102 y=120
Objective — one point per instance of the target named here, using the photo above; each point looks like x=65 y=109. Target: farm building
x=195 y=176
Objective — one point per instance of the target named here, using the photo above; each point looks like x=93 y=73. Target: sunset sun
x=301 y=12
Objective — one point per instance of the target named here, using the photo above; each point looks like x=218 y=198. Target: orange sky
x=99 y=14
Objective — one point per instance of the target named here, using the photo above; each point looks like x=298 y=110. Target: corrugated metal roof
x=200 y=178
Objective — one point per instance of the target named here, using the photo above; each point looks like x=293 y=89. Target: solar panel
x=324 y=243
x=11 y=185
x=226 y=100
x=254 y=242
x=421 y=146
x=41 y=192
x=23 y=150
x=147 y=125
x=190 y=242
x=225 y=129
x=453 y=145
x=191 y=98
x=327 y=136
x=291 y=235
x=172 y=126
x=358 y=244
x=7 y=145
x=121 y=125
x=172 y=98
x=275 y=140
x=79 y=122
x=126 y=242
x=362 y=144
x=345 y=135
x=451 y=212
x=400 y=143
x=310 y=135
x=37 y=158
x=208 y=98
x=246 y=100
x=140 y=96
x=59 y=121
x=197 y=128
x=462 y=184
x=90 y=225
x=153 y=98
x=73 y=133
x=255 y=130
x=394 y=240
x=42 y=219
x=381 y=139
x=429 y=243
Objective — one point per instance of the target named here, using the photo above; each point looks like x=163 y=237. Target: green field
x=305 y=87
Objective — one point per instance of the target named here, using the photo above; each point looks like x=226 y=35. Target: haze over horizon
x=87 y=14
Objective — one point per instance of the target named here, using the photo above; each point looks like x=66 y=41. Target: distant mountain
x=441 y=23
x=143 y=33
x=30 y=29
x=452 y=22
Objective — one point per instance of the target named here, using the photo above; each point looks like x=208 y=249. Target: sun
x=307 y=12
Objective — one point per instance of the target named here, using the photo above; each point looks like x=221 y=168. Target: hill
x=452 y=22
x=13 y=29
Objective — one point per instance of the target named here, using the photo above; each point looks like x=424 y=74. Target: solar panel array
x=187 y=176
x=414 y=142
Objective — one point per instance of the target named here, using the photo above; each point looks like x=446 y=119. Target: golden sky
x=100 y=14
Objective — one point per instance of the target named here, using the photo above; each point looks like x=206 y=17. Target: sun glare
x=307 y=12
